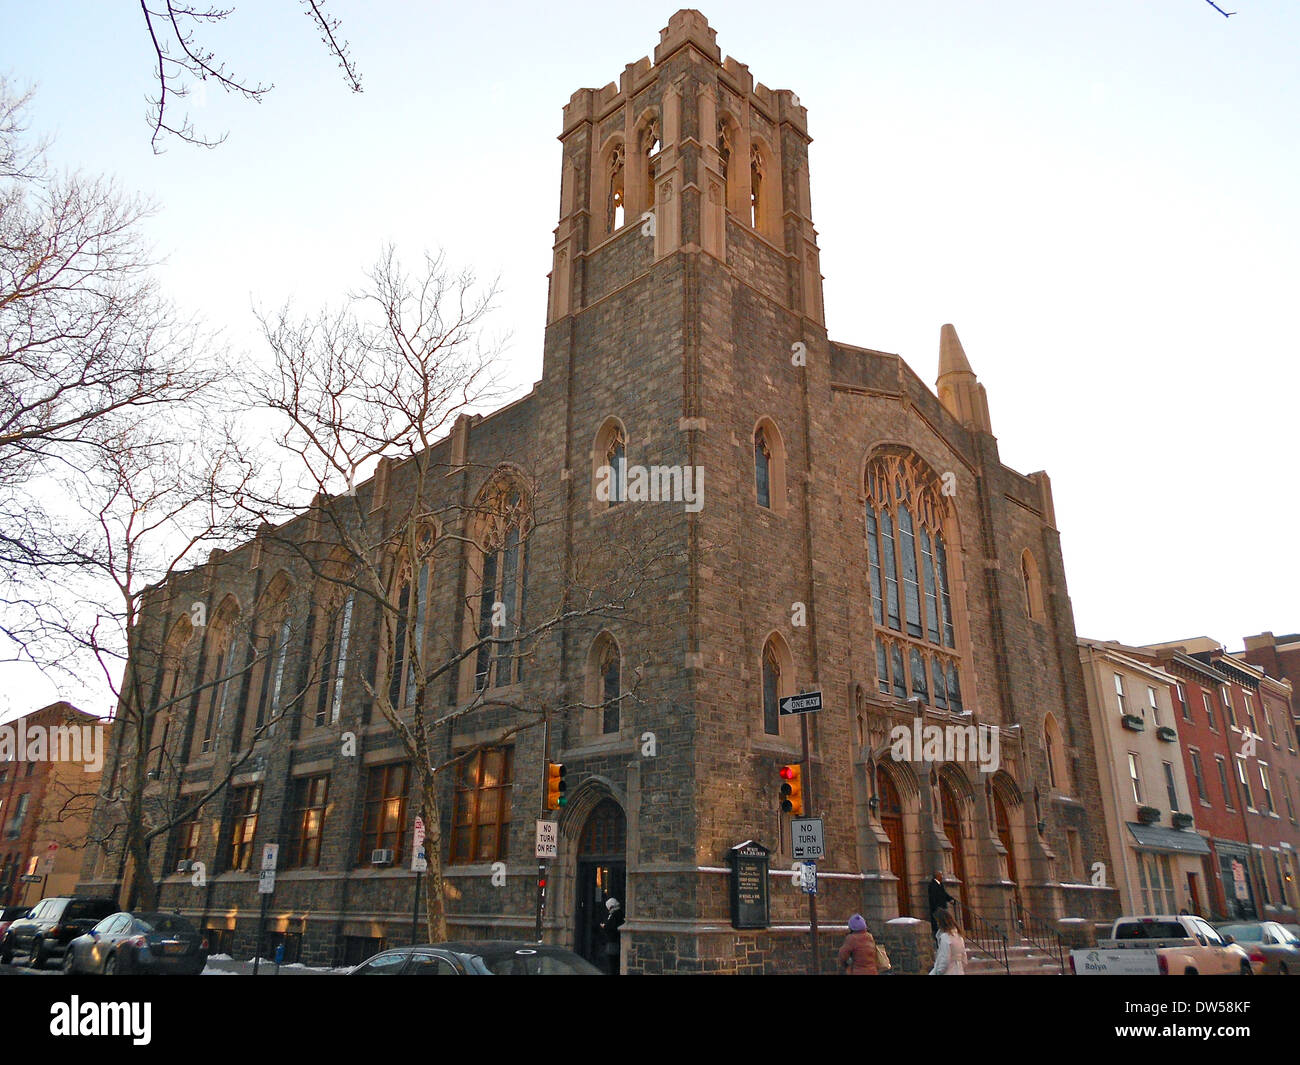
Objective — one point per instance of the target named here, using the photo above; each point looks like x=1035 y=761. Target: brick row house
x=48 y=790
x=1157 y=854
x=859 y=535
x=1245 y=794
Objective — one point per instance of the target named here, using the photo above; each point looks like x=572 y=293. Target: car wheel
x=1282 y=970
x=39 y=956
x=6 y=956
x=1246 y=970
x=1190 y=972
x=69 y=967
x=110 y=965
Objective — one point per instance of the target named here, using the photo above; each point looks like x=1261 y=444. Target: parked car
x=478 y=958
x=1271 y=947
x=51 y=926
x=139 y=943
x=10 y=914
x=1164 y=945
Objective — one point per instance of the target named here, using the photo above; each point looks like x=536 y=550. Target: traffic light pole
x=815 y=966
x=541 y=865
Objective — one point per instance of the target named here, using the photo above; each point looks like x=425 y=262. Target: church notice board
x=749 y=895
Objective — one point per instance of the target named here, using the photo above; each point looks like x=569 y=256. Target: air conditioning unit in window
x=184 y=866
x=382 y=856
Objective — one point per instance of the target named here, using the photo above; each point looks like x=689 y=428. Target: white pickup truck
x=1161 y=946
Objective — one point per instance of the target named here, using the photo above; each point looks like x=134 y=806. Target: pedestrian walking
x=950 y=958
x=939 y=898
x=609 y=930
x=857 y=956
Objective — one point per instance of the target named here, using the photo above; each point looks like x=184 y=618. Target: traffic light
x=792 y=790
x=555 y=797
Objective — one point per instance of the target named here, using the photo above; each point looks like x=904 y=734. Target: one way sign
x=803 y=703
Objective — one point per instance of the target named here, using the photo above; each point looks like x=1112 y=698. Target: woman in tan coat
x=857 y=956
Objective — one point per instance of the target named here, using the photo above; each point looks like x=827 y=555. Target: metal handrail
x=987 y=937
x=1042 y=935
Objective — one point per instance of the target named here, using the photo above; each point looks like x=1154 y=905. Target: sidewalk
x=225 y=965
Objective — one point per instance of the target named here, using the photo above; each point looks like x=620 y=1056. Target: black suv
x=53 y=924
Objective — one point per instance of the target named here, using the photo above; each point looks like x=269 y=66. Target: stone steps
x=1023 y=957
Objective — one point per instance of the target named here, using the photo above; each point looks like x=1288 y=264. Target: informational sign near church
x=749 y=895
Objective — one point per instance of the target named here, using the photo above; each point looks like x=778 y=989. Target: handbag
x=882 y=959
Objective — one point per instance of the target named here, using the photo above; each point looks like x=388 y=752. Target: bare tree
x=88 y=341
x=180 y=60
x=386 y=379
x=158 y=496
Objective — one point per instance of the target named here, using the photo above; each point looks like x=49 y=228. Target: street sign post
x=806 y=838
x=419 y=866
x=548 y=839
x=803 y=703
x=265 y=886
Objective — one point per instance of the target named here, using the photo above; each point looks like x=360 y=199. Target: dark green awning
x=1171 y=840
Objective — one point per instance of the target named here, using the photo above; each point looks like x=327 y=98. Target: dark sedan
x=480 y=958
x=139 y=943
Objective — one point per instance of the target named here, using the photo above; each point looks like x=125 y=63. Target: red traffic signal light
x=792 y=789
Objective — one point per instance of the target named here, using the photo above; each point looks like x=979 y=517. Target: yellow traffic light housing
x=555 y=786
x=792 y=790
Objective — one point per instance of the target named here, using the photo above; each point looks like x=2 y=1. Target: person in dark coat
x=939 y=898
x=609 y=931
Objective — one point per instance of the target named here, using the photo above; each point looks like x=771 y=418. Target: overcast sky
x=1101 y=196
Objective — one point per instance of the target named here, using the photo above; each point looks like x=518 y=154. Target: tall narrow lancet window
x=771 y=689
x=907 y=568
x=502 y=530
x=763 y=469
x=755 y=187
x=611 y=689
x=616 y=462
x=649 y=149
x=724 y=151
x=617 y=190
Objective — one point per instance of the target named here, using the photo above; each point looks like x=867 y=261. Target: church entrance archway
x=601 y=875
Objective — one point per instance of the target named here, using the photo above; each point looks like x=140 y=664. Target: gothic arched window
x=778 y=682
x=755 y=187
x=911 y=603
x=615 y=203
x=222 y=670
x=762 y=469
x=502 y=528
x=609 y=475
x=1033 y=586
x=414 y=588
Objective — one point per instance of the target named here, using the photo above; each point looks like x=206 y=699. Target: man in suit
x=939 y=898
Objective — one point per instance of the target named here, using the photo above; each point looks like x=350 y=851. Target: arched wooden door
x=1003 y=821
x=602 y=871
x=891 y=820
x=951 y=813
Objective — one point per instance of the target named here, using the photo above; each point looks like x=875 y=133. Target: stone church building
x=852 y=532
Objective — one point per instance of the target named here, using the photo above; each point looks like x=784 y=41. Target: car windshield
x=167 y=923
x=1151 y=930
x=82 y=908
x=1247 y=933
